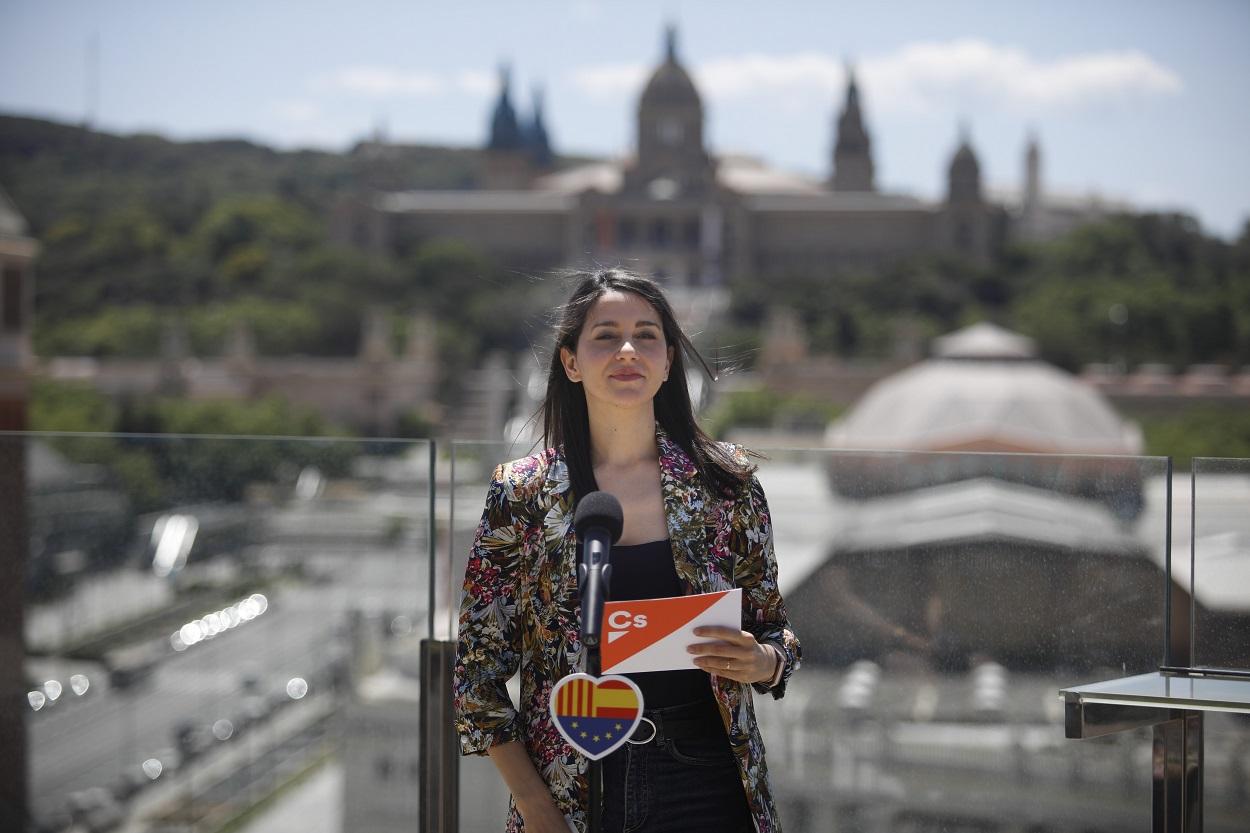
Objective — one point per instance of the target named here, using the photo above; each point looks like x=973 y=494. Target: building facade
x=373 y=390
x=673 y=210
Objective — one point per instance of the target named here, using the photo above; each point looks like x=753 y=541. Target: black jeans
x=688 y=784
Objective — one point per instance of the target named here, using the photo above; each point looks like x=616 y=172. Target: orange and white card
x=652 y=634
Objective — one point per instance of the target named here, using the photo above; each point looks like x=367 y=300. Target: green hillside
x=55 y=170
x=136 y=229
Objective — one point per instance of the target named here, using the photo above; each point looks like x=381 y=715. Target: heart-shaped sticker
x=596 y=714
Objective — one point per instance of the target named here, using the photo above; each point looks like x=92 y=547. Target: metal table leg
x=1177 y=762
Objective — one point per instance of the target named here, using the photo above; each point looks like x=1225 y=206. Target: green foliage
x=202 y=468
x=65 y=406
x=859 y=313
x=263 y=222
x=113 y=331
x=278 y=327
x=266 y=417
x=477 y=306
x=767 y=409
x=69 y=407
x=1135 y=289
x=1131 y=289
x=1204 y=431
x=139 y=231
x=158 y=472
x=415 y=424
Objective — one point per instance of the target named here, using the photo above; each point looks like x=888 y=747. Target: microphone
x=597 y=521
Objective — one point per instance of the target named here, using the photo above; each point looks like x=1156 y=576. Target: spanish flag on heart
x=595 y=715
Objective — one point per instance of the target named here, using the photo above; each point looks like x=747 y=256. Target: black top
x=646 y=571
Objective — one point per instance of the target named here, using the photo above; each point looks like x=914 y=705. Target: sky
x=1146 y=101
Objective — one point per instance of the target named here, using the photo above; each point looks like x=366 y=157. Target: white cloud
x=297 y=111
x=388 y=82
x=769 y=75
x=384 y=82
x=929 y=76
x=477 y=82
x=919 y=77
x=611 y=81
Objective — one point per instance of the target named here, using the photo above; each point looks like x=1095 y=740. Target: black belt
x=678 y=722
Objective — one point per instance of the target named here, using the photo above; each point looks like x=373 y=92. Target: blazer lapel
x=686 y=513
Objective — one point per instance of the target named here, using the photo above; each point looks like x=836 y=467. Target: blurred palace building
x=676 y=211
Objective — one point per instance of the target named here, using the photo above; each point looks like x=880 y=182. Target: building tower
x=506 y=165
x=852 y=149
x=964 y=174
x=1032 y=176
x=672 y=161
x=505 y=130
x=1032 y=219
x=537 y=142
x=967 y=213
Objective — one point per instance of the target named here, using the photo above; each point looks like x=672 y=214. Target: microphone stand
x=595 y=573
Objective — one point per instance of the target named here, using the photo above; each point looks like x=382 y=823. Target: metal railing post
x=439 y=759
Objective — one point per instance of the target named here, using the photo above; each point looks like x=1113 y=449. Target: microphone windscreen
x=602 y=510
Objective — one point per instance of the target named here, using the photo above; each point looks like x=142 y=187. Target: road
x=109 y=733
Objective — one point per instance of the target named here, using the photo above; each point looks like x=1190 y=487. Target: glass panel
x=1221 y=562
x=1221 y=592
x=942 y=601
x=470 y=466
x=1182 y=692
x=211 y=620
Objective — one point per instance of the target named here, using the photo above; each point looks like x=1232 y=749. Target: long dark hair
x=566 y=422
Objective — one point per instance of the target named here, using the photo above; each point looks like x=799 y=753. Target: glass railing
x=1220 y=580
x=942 y=601
x=210 y=621
x=213 y=623
x=1219 y=592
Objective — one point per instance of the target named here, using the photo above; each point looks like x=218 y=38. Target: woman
x=617 y=418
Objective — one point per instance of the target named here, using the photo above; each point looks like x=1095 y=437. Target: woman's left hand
x=735 y=655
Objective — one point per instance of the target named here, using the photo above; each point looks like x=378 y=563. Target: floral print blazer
x=520 y=612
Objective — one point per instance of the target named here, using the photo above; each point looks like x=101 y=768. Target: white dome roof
x=984 y=341
x=985 y=392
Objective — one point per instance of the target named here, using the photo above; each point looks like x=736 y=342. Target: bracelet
x=775 y=677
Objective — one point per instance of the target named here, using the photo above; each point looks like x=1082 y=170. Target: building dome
x=964 y=162
x=985 y=390
x=670 y=85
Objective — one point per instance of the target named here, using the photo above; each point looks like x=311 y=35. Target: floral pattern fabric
x=520 y=607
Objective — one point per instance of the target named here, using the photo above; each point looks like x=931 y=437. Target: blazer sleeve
x=488 y=648
x=763 y=610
